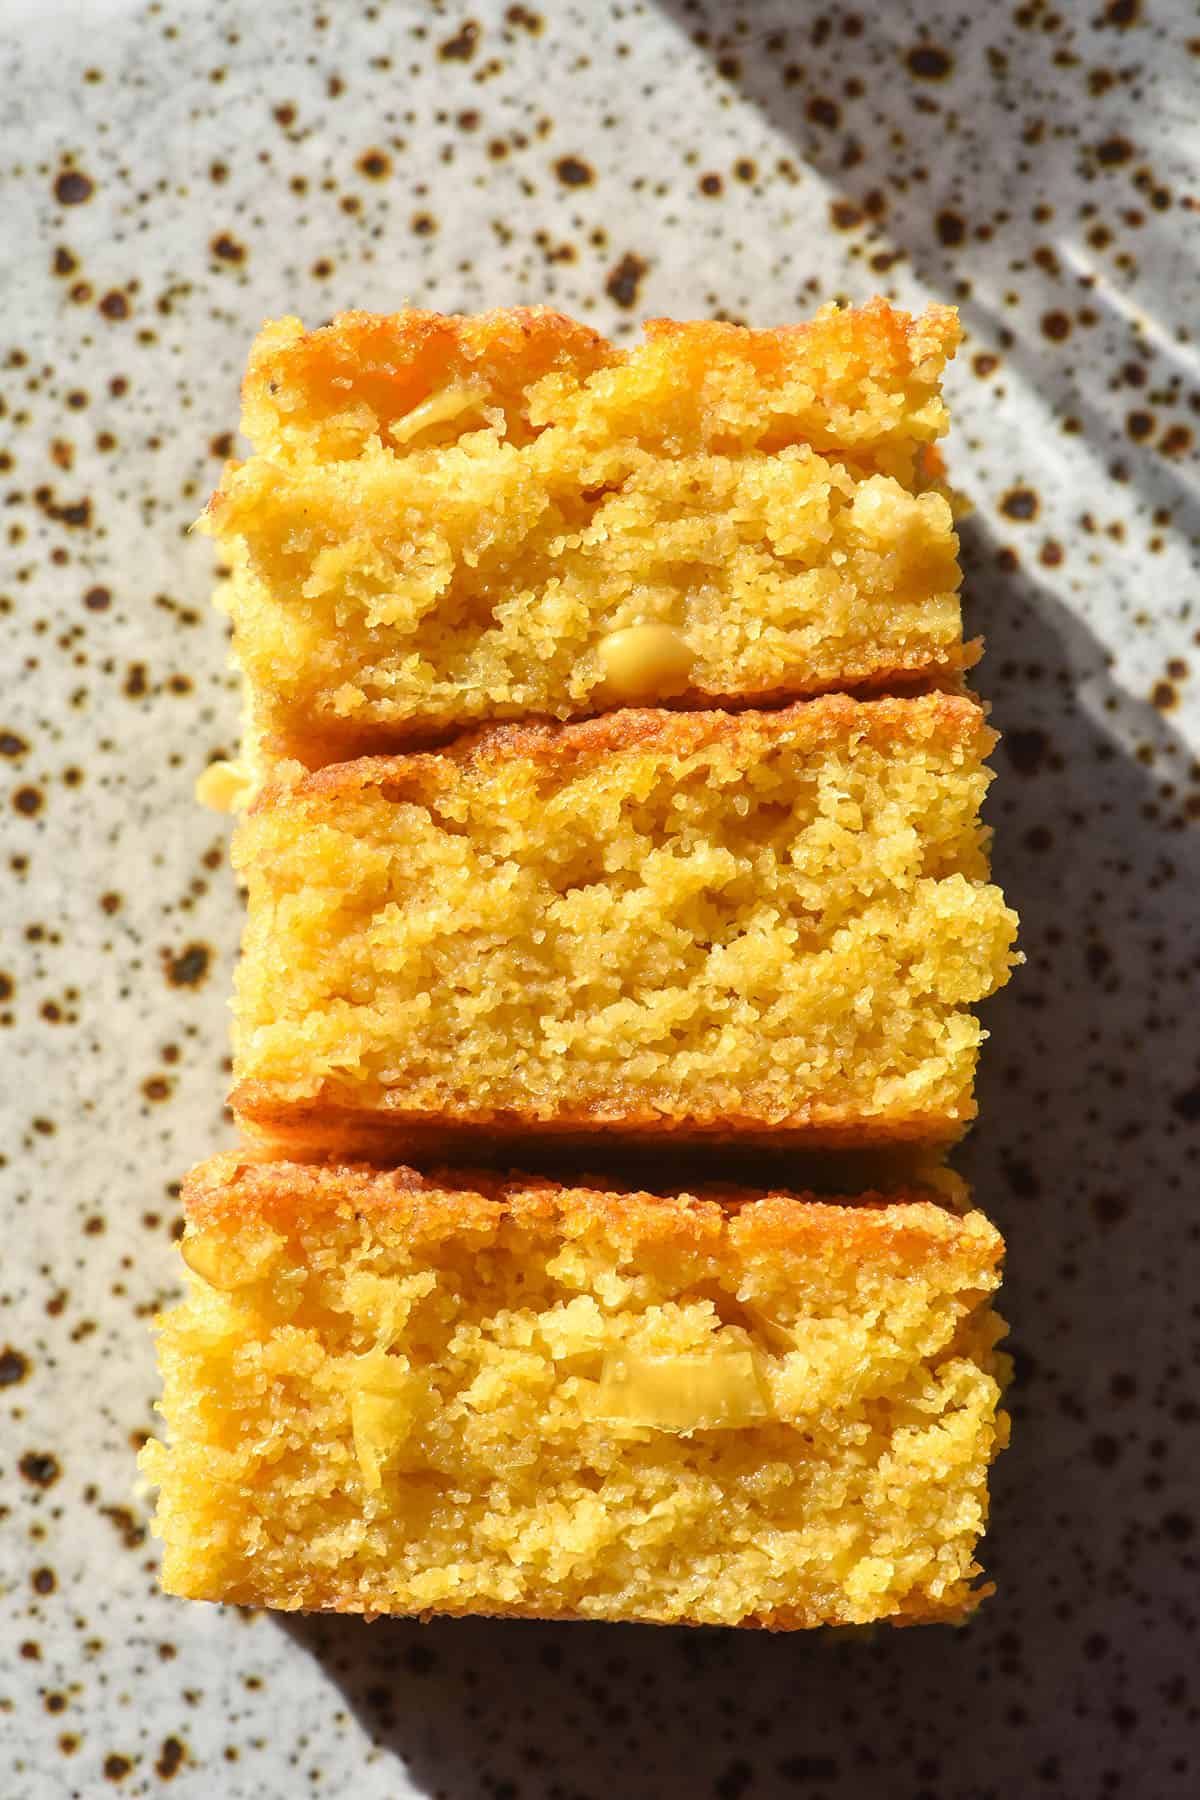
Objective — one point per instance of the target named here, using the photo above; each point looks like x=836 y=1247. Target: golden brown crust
x=398 y=359
x=415 y=349
x=314 y=744
x=809 y=725
x=232 y=1190
x=881 y=336
x=364 y=340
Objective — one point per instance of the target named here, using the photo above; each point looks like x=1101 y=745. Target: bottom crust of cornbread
x=387 y=1393
x=332 y=1124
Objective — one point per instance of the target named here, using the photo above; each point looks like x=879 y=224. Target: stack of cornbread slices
x=609 y=789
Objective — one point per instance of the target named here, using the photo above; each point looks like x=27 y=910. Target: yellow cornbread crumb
x=444 y=520
x=386 y=1393
x=767 y=922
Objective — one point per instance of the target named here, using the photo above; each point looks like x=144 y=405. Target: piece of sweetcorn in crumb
x=224 y=786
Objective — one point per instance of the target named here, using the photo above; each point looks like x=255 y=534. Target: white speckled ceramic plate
x=174 y=172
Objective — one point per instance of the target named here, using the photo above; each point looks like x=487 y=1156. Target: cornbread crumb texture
x=448 y=519
x=391 y=1394
x=777 y=920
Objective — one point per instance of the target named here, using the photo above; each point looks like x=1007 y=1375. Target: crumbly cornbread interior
x=777 y=919
x=391 y=1394
x=450 y=519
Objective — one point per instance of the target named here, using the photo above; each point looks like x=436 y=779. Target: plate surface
x=172 y=174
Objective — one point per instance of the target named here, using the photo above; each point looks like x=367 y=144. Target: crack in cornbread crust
x=323 y=1226
x=581 y=515
x=491 y=798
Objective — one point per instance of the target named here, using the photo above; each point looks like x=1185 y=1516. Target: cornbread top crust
x=354 y=376
x=846 y=377
x=234 y=1190
x=454 y=519
x=806 y=726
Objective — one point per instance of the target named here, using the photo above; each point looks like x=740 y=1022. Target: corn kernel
x=645 y=661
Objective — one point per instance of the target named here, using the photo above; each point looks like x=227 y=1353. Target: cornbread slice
x=447 y=520
x=392 y=1394
x=651 y=921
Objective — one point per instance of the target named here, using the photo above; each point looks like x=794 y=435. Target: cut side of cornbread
x=392 y=1394
x=768 y=923
x=448 y=520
